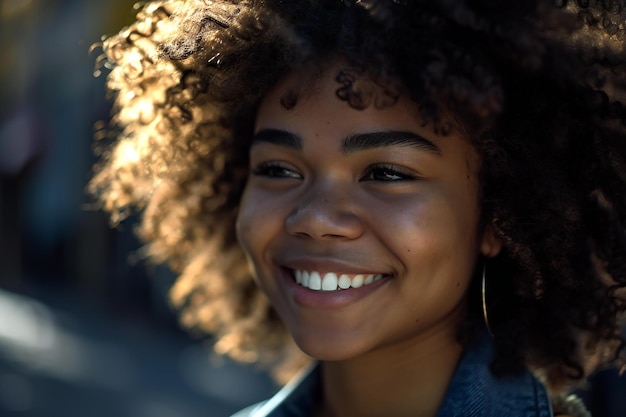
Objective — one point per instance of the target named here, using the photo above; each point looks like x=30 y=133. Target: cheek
x=440 y=226
x=245 y=226
x=257 y=222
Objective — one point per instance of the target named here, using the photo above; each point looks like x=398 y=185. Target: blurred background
x=85 y=326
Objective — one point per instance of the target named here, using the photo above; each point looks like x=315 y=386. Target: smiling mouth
x=332 y=281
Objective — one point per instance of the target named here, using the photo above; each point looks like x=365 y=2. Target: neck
x=406 y=379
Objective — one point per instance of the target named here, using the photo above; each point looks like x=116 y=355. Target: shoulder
x=475 y=387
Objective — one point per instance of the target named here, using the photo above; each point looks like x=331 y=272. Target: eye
x=388 y=173
x=275 y=170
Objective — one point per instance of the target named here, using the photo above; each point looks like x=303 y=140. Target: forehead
x=355 y=87
x=338 y=86
x=320 y=115
x=333 y=94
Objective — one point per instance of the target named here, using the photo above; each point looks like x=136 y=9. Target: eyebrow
x=364 y=141
x=352 y=143
x=278 y=137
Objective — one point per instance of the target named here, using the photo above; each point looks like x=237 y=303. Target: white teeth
x=344 y=281
x=315 y=281
x=357 y=281
x=331 y=281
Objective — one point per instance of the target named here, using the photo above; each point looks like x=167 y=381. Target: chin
x=328 y=347
x=328 y=353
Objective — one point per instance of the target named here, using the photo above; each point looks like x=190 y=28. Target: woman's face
x=362 y=226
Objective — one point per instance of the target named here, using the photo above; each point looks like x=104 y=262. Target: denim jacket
x=473 y=392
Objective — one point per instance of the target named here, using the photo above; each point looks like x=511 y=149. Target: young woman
x=426 y=197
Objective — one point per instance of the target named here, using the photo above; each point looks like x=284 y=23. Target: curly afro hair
x=537 y=86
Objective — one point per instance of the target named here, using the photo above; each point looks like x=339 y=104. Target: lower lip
x=329 y=300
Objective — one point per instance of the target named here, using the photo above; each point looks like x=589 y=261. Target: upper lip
x=307 y=263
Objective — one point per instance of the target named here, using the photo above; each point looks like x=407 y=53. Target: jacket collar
x=473 y=391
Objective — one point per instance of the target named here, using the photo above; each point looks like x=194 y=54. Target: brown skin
x=408 y=212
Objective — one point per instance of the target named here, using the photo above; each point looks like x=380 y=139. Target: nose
x=325 y=212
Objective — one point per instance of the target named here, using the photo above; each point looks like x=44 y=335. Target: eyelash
x=275 y=170
x=390 y=172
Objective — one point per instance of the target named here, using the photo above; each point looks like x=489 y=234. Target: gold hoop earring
x=484 y=296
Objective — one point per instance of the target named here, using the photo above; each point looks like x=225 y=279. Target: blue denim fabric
x=473 y=392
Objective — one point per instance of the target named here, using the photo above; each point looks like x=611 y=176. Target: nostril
x=303 y=235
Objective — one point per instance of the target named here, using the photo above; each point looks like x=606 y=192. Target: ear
x=490 y=245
